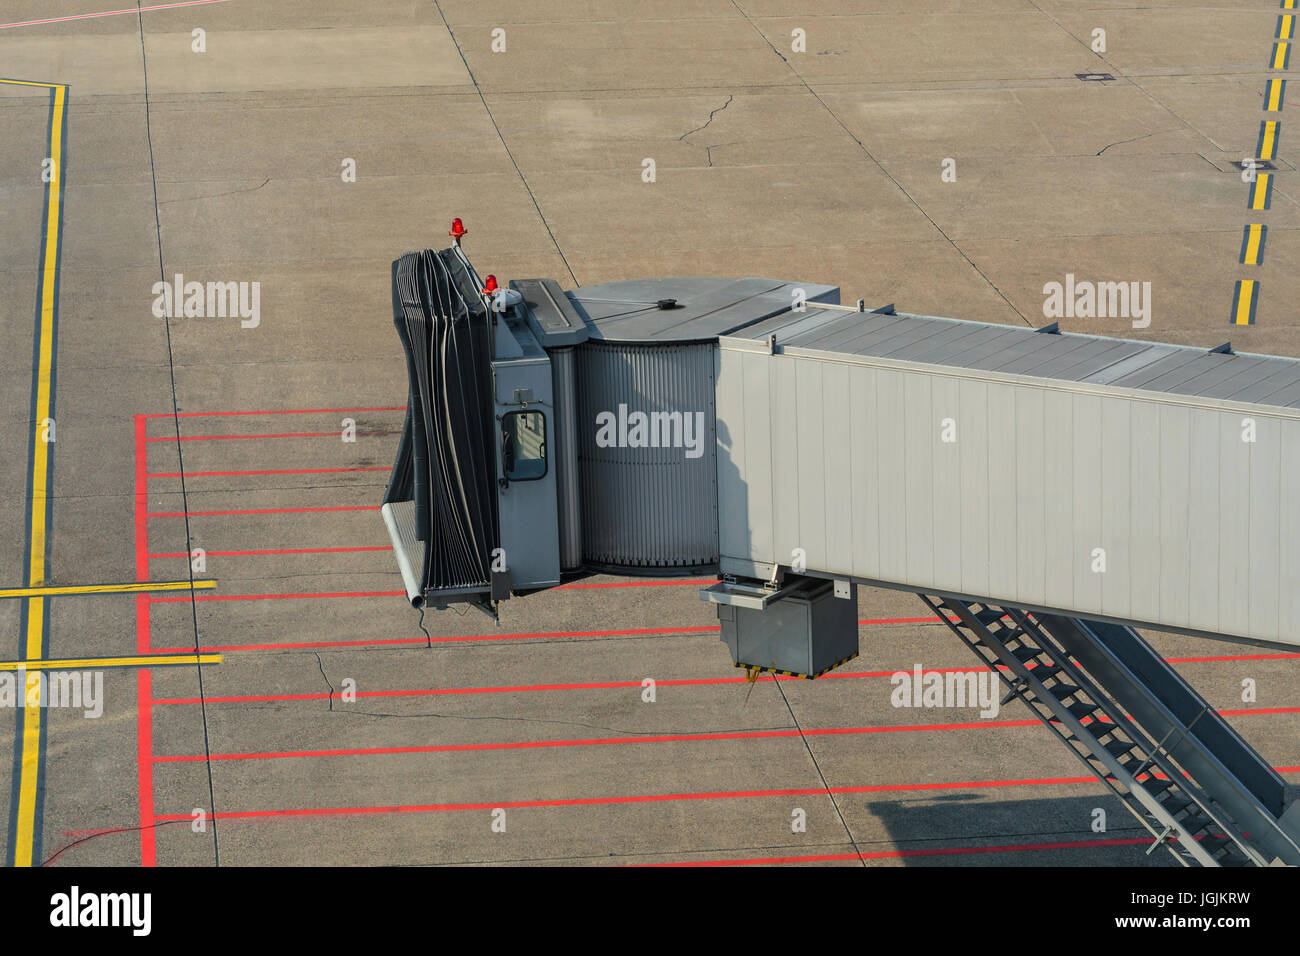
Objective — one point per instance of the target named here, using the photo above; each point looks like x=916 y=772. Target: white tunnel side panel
x=1086 y=499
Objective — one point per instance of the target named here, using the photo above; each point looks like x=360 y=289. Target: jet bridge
x=1045 y=493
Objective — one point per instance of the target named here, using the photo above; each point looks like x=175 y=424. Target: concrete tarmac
x=820 y=165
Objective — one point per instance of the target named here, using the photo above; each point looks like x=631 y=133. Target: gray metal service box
x=803 y=630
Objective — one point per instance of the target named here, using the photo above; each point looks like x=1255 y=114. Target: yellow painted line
x=1254 y=243
x=44 y=86
x=1246 y=296
x=1281 y=55
x=1273 y=96
x=132 y=587
x=1285 y=26
x=1260 y=191
x=95 y=663
x=1288 y=4
x=29 y=760
x=1268 y=139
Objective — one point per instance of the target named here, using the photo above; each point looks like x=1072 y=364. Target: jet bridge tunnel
x=1043 y=492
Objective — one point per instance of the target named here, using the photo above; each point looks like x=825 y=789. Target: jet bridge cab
x=551 y=434
x=471 y=506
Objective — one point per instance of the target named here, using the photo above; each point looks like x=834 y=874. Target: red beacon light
x=490 y=285
x=457 y=230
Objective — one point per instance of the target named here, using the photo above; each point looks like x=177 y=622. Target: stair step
x=1156 y=787
x=1176 y=805
x=1060 y=691
x=1118 y=748
x=1047 y=671
x=988 y=615
x=1026 y=653
x=1081 y=709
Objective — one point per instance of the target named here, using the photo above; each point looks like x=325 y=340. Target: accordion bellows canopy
x=444 y=458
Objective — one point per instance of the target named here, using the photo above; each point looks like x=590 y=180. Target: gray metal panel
x=1122 y=575
x=551 y=315
x=1069 y=357
x=1016 y=347
x=567 y=482
x=790 y=324
x=1143 y=357
x=951 y=346
x=974 y=450
x=1251 y=370
x=1284 y=394
x=705 y=308
x=648 y=508
x=1266 y=387
x=1032 y=492
x=528 y=509
x=1288 y=519
x=1267 y=486
x=846 y=327
x=1175 y=495
x=854 y=327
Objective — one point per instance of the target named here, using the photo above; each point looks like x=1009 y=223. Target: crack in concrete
x=232 y=192
x=712 y=114
x=321 y=665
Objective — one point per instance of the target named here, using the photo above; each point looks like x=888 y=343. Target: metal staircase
x=1189 y=779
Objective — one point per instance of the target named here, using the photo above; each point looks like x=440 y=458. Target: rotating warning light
x=457 y=230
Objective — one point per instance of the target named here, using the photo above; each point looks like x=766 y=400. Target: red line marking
x=1232 y=657
x=258 y=511
x=335 y=434
x=436 y=640
x=108 y=13
x=647 y=798
x=309 y=595
x=649 y=739
x=245 y=554
x=635 y=798
x=526 y=688
x=896 y=854
x=593 y=742
x=280 y=411
x=262 y=471
x=144 y=677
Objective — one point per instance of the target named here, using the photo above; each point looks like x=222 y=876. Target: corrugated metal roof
x=1066 y=357
x=705 y=308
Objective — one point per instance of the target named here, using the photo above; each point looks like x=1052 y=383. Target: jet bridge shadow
x=963 y=829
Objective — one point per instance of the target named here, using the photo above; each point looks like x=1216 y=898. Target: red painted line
x=108 y=13
x=144 y=677
x=262 y=471
x=647 y=798
x=649 y=739
x=594 y=742
x=334 y=434
x=527 y=688
x=1232 y=657
x=636 y=798
x=245 y=554
x=258 y=511
x=898 y=854
x=314 y=595
x=436 y=640
x=281 y=411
